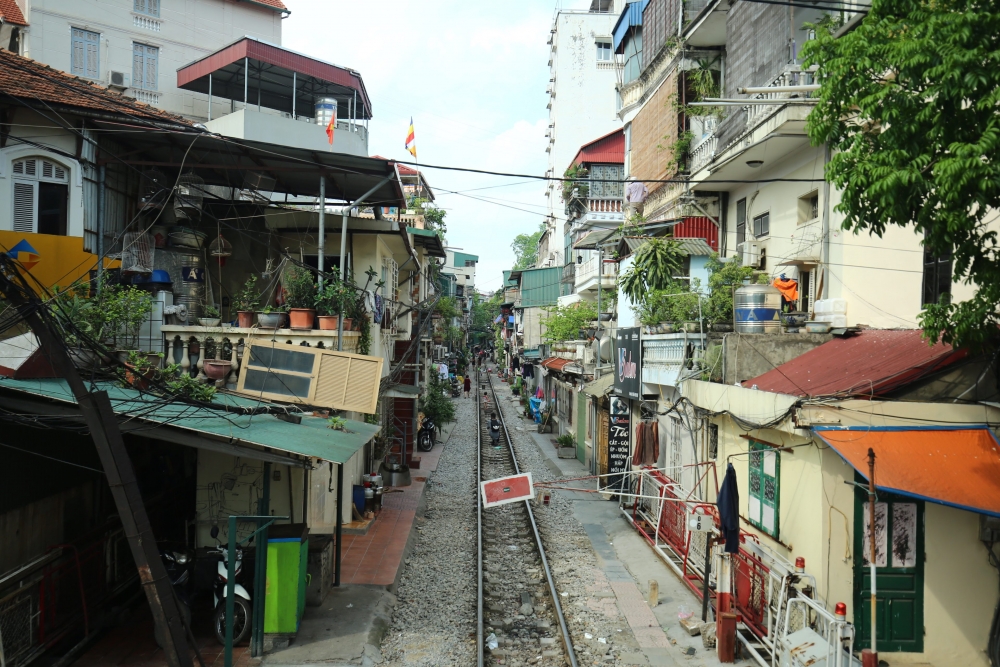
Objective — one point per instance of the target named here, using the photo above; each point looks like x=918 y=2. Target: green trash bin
x=287 y=559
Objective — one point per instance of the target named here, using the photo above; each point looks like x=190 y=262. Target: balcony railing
x=703 y=153
x=588 y=271
x=793 y=76
x=569 y=273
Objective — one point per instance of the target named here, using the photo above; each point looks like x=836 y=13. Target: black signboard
x=627 y=352
x=618 y=445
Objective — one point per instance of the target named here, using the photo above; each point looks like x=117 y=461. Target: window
x=604 y=52
x=40 y=196
x=145 y=63
x=765 y=469
x=470 y=262
x=762 y=225
x=713 y=441
x=809 y=207
x=807 y=289
x=605 y=190
x=741 y=221
x=86 y=53
x=147 y=7
x=937 y=278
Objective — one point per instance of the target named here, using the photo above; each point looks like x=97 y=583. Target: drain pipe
x=826 y=222
x=321 y=255
x=101 y=176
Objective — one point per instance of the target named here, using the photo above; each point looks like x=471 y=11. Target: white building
x=137 y=46
x=581 y=97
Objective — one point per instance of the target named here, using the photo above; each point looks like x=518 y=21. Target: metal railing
x=588 y=270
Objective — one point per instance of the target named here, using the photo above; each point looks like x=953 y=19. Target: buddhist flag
x=332 y=125
x=411 y=144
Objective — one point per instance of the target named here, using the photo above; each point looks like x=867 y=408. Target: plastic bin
x=287 y=561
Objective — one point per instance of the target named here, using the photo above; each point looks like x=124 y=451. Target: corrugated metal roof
x=607 y=149
x=694 y=247
x=872 y=363
x=312 y=437
x=602 y=386
x=540 y=287
x=556 y=363
x=957 y=466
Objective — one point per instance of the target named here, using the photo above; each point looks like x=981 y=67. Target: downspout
x=826 y=220
x=320 y=263
x=101 y=175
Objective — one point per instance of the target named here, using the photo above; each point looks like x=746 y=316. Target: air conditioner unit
x=751 y=254
x=118 y=80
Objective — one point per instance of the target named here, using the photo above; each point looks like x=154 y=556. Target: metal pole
x=320 y=264
x=600 y=279
x=246 y=79
x=708 y=575
x=294 y=83
x=343 y=269
x=231 y=587
x=101 y=192
x=340 y=524
x=260 y=575
x=871 y=544
x=354 y=113
x=210 y=96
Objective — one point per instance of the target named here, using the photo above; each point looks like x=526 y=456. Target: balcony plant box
x=330 y=322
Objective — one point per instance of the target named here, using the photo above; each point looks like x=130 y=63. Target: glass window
x=762 y=225
x=741 y=221
x=603 y=52
x=86 y=53
x=765 y=470
x=148 y=7
x=41 y=197
x=145 y=63
x=937 y=278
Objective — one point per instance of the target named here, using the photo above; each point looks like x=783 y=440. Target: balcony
x=569 y=274
x=587 y=277
x=663 y=356
x=604 y=210
x=295 y=132
x=186 y=345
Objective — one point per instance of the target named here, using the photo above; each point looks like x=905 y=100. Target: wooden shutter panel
x=138 y=66
x=139 y=6
x=93 y=55
x=24 y=206
x=153 y=7
x=79 y=64
x=152 y=64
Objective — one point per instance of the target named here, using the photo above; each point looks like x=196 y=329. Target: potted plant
x=140 y=368
x=246 y=302
x=120 y=311
x=217 y=369
x=211 y=317
x=332 y=301
x=300 y=297
x=271 y=317
x=78 y=319
x=566 y=446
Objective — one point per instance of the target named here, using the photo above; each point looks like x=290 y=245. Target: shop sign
x=627 y=353
x=619 y=426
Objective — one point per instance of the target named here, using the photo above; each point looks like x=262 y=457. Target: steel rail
x=567 y=640
x=480 y=640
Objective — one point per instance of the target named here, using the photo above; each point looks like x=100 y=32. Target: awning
x=954 y=466
x=204 y=428
x=530 y=354
x=427 y=239
x=631 y=17
x=556 y=363
x=601 y=386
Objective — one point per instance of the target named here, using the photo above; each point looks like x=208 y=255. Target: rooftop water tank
x=758 y=309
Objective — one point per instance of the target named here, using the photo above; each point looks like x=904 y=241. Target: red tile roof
x=609 y=149
x=873 y=363
x=273 y=4
x=11 y=13
x=556 y=363
x=30 y=80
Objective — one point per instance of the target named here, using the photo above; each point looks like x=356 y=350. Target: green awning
x=429 y=240
x=312 y=437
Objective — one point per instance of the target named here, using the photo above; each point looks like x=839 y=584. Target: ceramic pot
x=217 y=369
x=301 y=318
x=270 y=320
x=138 y=380
x=209 y=321
x=244 y=319
x=328 y=322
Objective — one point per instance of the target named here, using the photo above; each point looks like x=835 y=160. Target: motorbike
x=495 y=432
x=241 y=598
x=426 y=436
x=178 y=564
x=456 y=388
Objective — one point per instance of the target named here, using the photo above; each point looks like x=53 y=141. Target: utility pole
x=871 y=658
x=103 y=425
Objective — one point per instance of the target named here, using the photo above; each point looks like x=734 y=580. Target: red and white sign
x=506 y=490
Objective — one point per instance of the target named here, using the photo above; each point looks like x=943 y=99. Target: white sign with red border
x=507 y=490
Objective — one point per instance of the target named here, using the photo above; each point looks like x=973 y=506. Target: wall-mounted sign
x=627 y=354
x=618 y=445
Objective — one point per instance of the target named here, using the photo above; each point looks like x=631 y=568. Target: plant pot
x=244 y=319
x=217 y=369
x=691 y=327
x=348 y=324
x=209 y=321
x=328 y=322
x=138 y=380
x=722 y=327
x=270 y=320
x=83 y=358
x=301 y=318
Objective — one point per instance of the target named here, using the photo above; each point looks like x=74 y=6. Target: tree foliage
x=565 y=322
x=525 y=247
x=908 y=105
x=433 y=216
x=434 y=402
x=484 y=312
x=654 y=266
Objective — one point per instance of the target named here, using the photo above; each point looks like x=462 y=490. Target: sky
x=473 y=77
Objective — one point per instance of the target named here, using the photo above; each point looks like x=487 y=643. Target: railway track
x=517 y=598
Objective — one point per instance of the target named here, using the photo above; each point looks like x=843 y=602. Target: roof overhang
x=428 y=240
x=708 y=29
x=274 y=72
x=956 y=466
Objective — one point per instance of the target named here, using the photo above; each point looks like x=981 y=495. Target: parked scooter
x=241 y=598
x=426 y=435
x=179 y=564
x=456 y=388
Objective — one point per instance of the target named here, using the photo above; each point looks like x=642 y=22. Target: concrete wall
x=533 y=321
x=272 y=128
x=185 y=31
x=28 y=531
x=749 y=355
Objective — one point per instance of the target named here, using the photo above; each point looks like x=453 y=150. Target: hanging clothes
x=647 y=443
x=729 y=510
x=528 y=371
x=789 y=288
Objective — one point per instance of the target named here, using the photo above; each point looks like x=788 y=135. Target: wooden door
x=601 y=438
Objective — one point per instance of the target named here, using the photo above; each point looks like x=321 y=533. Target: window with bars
x=606 y=172
x=147 y=7
x=40 y=197
x=765 y=472
x=145 y=64
x=675 y=450
x=713 y=441
x=741 y=221
x=86 y=53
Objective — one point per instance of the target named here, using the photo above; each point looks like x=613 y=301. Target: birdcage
x=189 y=196
x=137 y=252
x=220 y=247
x=154 y=189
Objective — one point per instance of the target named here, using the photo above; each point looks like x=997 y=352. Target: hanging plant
x=578 y=174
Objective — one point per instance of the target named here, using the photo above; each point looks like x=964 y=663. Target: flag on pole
x=411 y=144
x=332 y=125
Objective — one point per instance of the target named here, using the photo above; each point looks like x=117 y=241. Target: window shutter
x=138 y=66
x=46 y=169
x=153 y=7
x=93 y=55
x=152 y=64
x=79 y=65
x=139 y=6
x=24 y=206
x=765 y=471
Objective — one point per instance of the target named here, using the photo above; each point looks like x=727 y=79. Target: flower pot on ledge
x=301 y=318
x=270 y=320
x=244 y=319
x=328 y=322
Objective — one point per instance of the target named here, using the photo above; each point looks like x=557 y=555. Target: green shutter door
x=581 y=427
x=899 y=564
x=765 y=473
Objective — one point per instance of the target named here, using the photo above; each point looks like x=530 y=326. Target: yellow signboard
x=51 y=260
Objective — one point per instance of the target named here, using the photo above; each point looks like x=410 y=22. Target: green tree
x=434 y=402
x=484 y=312
x=433 y=216
x=565 y=322
x=525 y=247
x=908 y=105
x=654 y=266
